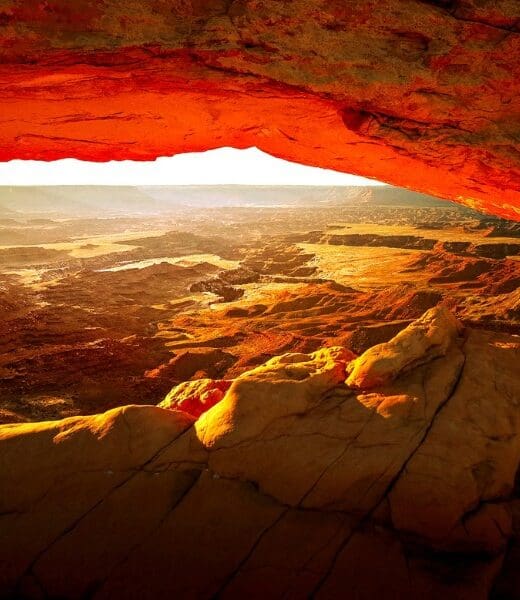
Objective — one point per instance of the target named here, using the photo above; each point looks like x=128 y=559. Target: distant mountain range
x=99 y=201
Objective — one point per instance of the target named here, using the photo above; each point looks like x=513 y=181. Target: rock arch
x=420 y=94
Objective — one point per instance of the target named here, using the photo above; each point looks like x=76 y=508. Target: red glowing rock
x=419 y=94
x=196 y=397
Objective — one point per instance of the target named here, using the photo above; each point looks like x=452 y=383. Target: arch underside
x=423 y=95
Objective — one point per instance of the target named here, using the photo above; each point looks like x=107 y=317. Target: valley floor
x=102 y=312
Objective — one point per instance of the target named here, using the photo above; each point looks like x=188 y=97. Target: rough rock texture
x=420 y=342
x=422 y=94
x=294 y=485
x=196 y=397
x=52 y=473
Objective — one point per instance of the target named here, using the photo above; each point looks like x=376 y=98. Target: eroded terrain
x=307 y=402
x=98 y=312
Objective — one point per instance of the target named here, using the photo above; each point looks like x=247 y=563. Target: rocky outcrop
x=196 y=397
x=54 y=473
x=422 y=94
x=423 y=340
x=294 y=484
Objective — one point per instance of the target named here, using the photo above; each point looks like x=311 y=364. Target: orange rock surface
x=293 y=485
x=424 y=95
x=196 y=397
x=420 y=342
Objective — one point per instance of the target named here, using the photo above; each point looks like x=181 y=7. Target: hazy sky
x=221 y=166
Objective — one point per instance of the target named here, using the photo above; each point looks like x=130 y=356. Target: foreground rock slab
x=292 y=485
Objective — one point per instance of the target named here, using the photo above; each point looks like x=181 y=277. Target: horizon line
x=190 y=185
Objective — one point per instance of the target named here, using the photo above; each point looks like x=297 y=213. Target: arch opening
x=312 y=388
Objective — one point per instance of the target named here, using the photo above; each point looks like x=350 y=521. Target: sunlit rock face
x=294 y=484
x=420 y=94
x=420 y=342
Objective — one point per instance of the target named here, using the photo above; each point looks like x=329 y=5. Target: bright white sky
x=221 y=166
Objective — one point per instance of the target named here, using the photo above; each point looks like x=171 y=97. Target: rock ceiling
x=420 y=94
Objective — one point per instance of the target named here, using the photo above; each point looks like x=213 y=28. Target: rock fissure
x=71 y=526
x=250 y=553
x=427 y=429
x=367 y=517
x=335 y=461
x=97 y=586
x=30 y=569
x=510 y=30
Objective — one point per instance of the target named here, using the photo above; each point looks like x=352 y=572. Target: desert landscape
x=321 y=381
x=239 y=392
x=174 y=284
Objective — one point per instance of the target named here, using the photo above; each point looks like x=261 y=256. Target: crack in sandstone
x=512 y=29
x=337 y=459
x=439 y=409
x=294 y=572
x=258 y=437
x=30 y=569
x=366 y=518
x=97 y=587
x=248 y=555
x=498 y=501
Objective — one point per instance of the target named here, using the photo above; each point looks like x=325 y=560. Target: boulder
x=196 y=397
x=420 y=342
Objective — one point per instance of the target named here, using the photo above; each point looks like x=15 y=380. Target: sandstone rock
x=200 y=543
x=320 y=447
x=286 y=385
x=472 y=454
x=56 y=471
x=293 y=485
x=420 y=94
x=196 y=397
x=424 y=339
x=377 y=565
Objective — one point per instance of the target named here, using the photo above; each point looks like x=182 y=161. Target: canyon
x=98 y=312
x=242 y=392
x=257 y=392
